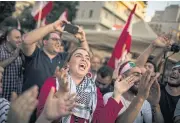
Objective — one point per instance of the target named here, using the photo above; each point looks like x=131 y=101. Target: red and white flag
x=64 y=15
x=43 y=22
x=124 y=42
x=19 y=24
x=42 y=9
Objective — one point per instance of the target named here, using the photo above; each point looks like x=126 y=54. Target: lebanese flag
x=43 y=7
x=19 y=24
x=43 y=22
x=123 y=44
x=64 y=15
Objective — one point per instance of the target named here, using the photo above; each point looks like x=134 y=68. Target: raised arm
x=82 y=39
x=159 y=42
x=81 y=36
x=109 y=112
x=30 y=39
x=142 y=59
x=157 y=60
x=154 y=98
x=143 y=92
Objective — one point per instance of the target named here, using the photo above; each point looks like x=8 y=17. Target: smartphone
x=71 y=28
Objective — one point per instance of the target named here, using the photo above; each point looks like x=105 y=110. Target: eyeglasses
x=56 y=39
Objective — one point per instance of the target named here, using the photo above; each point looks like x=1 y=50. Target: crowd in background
x=44 y=80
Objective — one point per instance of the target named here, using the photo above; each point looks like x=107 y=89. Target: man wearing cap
x=144 y=115
x=170 y=94
x=137 y=109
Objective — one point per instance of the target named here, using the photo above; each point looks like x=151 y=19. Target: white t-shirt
x=144 y=116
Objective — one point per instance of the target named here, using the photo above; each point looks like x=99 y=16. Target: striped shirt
x=4 y=108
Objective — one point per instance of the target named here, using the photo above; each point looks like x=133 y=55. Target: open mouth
x=82 y=66
x=173 y=76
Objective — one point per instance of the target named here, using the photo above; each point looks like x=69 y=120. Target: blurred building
x=167 y=20
x=102 y=15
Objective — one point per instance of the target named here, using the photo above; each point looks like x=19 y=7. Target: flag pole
x=40 y=13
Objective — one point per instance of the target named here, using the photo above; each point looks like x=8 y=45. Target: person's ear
x=7 y=38
x=45 y=42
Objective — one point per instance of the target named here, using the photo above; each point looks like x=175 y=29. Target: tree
x=59 y=7
x=29 y=23
x=26 y=19
x=6 y=9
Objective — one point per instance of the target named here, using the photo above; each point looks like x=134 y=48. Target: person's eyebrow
x=87 y=56
x=77 y=54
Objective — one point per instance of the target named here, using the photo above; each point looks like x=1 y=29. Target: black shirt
x=168 y=105
x=38 y=67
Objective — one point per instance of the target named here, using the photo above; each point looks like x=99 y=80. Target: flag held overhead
x=46 y=8
x=123 y=43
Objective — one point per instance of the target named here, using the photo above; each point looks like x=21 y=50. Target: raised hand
x=22 y=107
x=145 y=84
x=162 y=41
x=81 y=34
x=61 y=103
x=155 y=93
x=57 y=107
x=57 y=25
x=61 y=75
x=123 y=85
x=118 y=63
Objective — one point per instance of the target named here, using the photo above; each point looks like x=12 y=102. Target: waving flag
x=42 y=9
x=64 y=15
x=123 y=43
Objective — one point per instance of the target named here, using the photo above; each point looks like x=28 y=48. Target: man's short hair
x=154 y=65
x=105 y=71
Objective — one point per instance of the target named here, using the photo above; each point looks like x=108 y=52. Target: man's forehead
x=148 y=63
x=55 y=35
x=16 y=32
x=135 y=70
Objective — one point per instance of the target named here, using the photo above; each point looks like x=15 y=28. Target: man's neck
x=173 y=91
x=48 y=54
x=10 y=48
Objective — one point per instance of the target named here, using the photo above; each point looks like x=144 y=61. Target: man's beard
x=105 y=90
x=134 y=90
x=174 y=85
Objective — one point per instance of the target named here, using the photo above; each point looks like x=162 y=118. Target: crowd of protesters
x=48 y=83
